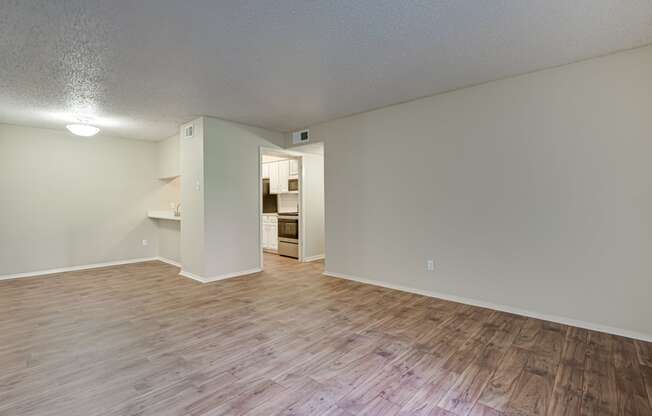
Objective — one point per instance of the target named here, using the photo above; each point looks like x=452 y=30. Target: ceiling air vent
x=299 y=137
x=188 y=131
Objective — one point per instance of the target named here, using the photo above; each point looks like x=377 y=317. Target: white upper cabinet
x=283 y=175
x=279 y=173
x=294 y=168
x=274 y=185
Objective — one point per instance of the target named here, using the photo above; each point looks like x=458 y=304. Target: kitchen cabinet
x=294 y=168
x=273 y=235
x=279 y=173
x=274 y=184
x=270 y=232
x=283 y=175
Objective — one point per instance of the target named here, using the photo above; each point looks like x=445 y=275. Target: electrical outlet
x=145 y=242
x=430 y=265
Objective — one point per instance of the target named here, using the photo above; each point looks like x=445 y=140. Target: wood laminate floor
x=140 y=340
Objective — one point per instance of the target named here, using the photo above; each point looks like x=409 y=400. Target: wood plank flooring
x=140 y=340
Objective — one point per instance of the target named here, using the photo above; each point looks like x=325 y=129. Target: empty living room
x=335 y=208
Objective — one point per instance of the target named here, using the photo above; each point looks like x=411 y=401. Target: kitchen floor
x=270 y=253
x=139 y=339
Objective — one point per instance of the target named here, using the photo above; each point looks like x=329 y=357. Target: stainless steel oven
x=288 y=228
x=288 y=235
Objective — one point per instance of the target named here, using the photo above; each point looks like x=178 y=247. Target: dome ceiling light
x=83 y=129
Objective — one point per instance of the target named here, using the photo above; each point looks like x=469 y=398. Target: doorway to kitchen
x=280 y=191
x=291 y=203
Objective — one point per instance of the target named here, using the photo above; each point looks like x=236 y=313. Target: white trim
x=313 y=258
x=260 y=205
x=168 y=261
x=76 y=268
x=192 y=276
x=230 y=275
x=503 y=308
x=201 y=279
x=302 y=214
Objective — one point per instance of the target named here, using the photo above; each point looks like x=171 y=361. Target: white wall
x=169 y=240
x=313 y=205
x=533 y=192
x=70 y=201
x=169 y=169
x=192 y=239
x=169 y=157
x=232 y=192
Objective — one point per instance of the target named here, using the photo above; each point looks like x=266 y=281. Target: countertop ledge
x=163 y=215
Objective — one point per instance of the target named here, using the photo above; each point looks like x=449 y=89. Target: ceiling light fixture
x=85 y=130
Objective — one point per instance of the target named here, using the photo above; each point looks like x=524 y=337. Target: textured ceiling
x=140 y=68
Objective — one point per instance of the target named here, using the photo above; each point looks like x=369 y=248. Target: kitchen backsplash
x=288 y=202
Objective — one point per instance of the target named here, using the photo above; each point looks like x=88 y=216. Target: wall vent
x=188 y=131
x=299 y=137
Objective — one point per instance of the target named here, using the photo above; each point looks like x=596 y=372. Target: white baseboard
x=192 y=276
x=130 y=261
x=76 y=268
x=202 y=279
x=313 y=258
x=503 y=308
x=168 y=261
